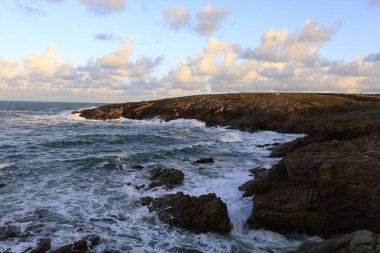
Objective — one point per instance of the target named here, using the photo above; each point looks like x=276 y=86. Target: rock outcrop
x=166 y=177
x=327 y=182
x=198 y=214
x=361 y=241
x=322 y=188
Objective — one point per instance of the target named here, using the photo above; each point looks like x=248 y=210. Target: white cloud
x=177 y=17
x=104 y=6
x=284 y=61
x=208 y=20
x=107 y=76
x=280 y=46
x=204 y=23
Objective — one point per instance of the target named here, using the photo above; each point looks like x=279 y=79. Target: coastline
x=326 y=182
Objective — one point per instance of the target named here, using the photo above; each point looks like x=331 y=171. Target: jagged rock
x=80 y=246
x=64 y=249
x=139 y=187
x=9 y=232
x=145 y=201
x=42 y=247
x=361 y=241
x=327 y=182
x=323 y=188
x=166 y=177
x=138 y=167
x=93 y=239
x=198 y=214
x=205 y=160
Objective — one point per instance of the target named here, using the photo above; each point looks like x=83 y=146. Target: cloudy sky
x=130 y=50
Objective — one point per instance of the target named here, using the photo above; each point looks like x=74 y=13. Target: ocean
x=64 y=177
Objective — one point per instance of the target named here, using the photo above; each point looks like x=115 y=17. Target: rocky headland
x=327 y=182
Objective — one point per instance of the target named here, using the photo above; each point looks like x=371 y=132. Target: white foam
x=230 y=137
x=5 y=165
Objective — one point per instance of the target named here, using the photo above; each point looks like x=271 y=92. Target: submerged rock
x=361 y=241
x=205 y=160
x=198 y=214
x=9 y=232
x=42 y=247
x=166 y=177
x=145 y=201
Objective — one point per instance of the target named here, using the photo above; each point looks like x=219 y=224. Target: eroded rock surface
x=166 y=177
x=198 y=214
x=322 y=188
x=361 y=241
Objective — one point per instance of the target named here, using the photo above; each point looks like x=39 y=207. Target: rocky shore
x=327 y=181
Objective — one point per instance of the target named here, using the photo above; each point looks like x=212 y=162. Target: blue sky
x=118 y=50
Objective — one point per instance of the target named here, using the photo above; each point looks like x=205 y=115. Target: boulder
x=166 y=177
x=42 y=247
x=205 y=160
x=199 y=214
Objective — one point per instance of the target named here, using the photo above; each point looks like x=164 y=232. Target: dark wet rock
x=64 y=249
x=2 y=184
x=80 y=246
x=323 y=188
x=258 y=171
x=155 y=184
x=111 y=251
x=93 y=239
x=42 y=247
x=145 y=201
x=139 y=187
x=166 y=177
x=198 y=214
x=9 y=232
x=361 y=241
x=205 y=160
x=138 y=167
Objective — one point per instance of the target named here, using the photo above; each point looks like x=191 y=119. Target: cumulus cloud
x=177 y=17
x=373 y=57
x=280 y=46
x=208 y=20
x=113 y=74
x=284 y=61
x=204 y=23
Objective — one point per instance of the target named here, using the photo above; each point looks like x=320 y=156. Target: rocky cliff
x=326 y=183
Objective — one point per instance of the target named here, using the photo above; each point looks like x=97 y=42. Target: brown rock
x=166 y=177
x=323 y=188
x=358 y=242
x=42 y=247
x=198 y=214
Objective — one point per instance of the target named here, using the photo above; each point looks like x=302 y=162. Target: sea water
x=65 y=177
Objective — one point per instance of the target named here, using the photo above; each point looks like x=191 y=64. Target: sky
x=132 y=50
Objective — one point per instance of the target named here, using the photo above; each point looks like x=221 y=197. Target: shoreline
x=309 y=190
